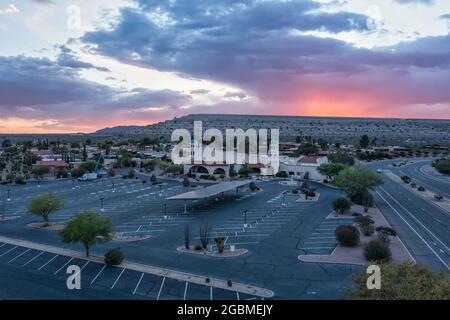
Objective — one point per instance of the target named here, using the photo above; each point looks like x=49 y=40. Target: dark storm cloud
x=257 y=46
x=42 y=89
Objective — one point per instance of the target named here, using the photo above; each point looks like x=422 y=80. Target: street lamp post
x=284 y=203
x=7 y=197
x=165 y=210
x=73 y=183
x=113 y=187
x=245 y=218
x=101 y=205
x=160 y=190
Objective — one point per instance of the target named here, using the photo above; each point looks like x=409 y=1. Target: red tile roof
x=308 y=159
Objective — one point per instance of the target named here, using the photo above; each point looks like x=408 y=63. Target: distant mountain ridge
x=115 y=130
x=333 y=129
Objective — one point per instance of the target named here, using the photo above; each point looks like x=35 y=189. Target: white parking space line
x=114 y=284
x=3 y=245
x=48 y=261
x=63 y=266
x=237 y=296
x=160 y=289
x=139 y=282
x=98 y=274
x=312 y=248
x=18 y=256
x=8 y=251
x=32 y=259
x=185 y=290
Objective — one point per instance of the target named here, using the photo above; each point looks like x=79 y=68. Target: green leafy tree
x=44 y=205
x=341 y=204
x=307 y=149
x=356 y=181
x=405 y=281
x=88 y=166
x=364 y=141
x=244 y=171
x=331 y=169
x=88 y=228
x=40 y=172
x=341 y=157
x=442 y=165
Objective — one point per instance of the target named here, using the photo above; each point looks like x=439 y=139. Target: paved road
x=423 y=227
x=426 y=176
x=277 y=234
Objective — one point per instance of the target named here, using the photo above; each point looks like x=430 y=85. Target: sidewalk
x=177 y=275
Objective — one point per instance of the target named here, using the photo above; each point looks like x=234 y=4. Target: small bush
x=413 y=184
x=387 y=230
x=347 y=235
x=376 y=250
x=363 y=220
x=20 y=180
x=421 y=188
x=253 y=186
x=367 y=230
x=356 y=214
x=198 y=247
x=114 y=257
x=438 y=197
x=186 y=182
x=281 y=174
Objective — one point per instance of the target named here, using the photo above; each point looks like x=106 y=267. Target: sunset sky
x=79 y=66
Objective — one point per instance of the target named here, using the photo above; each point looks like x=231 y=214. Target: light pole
x=73 y=183
x=7 y=197
x=160 y=190
x=113 y=187
x=101 y=204
x=245 y=218
x=165 y=210
x=284 y=203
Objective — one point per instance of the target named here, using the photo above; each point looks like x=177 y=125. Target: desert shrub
x=20 y=180
x=347 y=235
x=387 y=230
x=363 y=220
x=253 y=186
x=62 y=173
x=114 y=257
x=376 y=250
x=77 y=173
x=281 y=174
x=367 y=229
x=341 y=204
